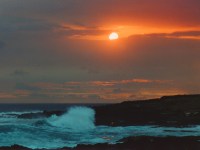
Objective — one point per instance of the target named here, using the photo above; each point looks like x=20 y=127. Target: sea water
x=76 y=126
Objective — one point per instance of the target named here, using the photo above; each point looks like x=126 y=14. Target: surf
x=76 y=119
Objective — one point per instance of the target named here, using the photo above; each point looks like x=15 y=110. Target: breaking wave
x=76 y=119
x=74 y=127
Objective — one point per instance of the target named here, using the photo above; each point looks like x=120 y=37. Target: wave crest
x=76 y=119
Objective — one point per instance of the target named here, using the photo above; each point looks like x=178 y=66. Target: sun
x=113 y=36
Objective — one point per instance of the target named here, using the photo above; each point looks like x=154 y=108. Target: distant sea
x=40 y=107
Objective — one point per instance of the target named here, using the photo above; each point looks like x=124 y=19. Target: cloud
x=117 y=90
x=2 y=45
x=39 y=96
x=19 y=73
x=93 y=91
x=7 y=95
x=75 y=29
x=45 y=38
x=126 y=10
x=137 y=57
x=24 y=86
x=95 y=13
x=150 y=55
x=13 y=25
x=94 y=97
x=180 y=34
x=186 y=33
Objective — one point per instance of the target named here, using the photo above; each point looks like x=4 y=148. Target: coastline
x=138 y=143
x=173 y=111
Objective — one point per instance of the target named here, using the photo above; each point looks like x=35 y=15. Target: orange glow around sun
x=113 y=36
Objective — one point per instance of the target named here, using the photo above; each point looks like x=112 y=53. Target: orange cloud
x=114 y=90
x=7 y=95
x=136 y=81
x=22 y=93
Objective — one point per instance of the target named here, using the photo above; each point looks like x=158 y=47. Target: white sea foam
x=75 y=127
x=76 y=119
x=12 y=113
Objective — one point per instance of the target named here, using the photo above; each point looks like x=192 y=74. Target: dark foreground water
x=76 y=126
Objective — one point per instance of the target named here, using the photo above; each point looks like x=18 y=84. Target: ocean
x=75 y=126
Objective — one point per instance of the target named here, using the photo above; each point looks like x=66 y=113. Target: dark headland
x=180 y=110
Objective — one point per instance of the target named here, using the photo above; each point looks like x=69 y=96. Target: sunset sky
x=58 y=51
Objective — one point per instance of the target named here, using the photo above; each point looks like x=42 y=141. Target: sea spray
x=78 y=119
x=73 y=128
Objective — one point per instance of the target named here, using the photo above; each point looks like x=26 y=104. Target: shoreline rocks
x=183 y=110
x=180 y=110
